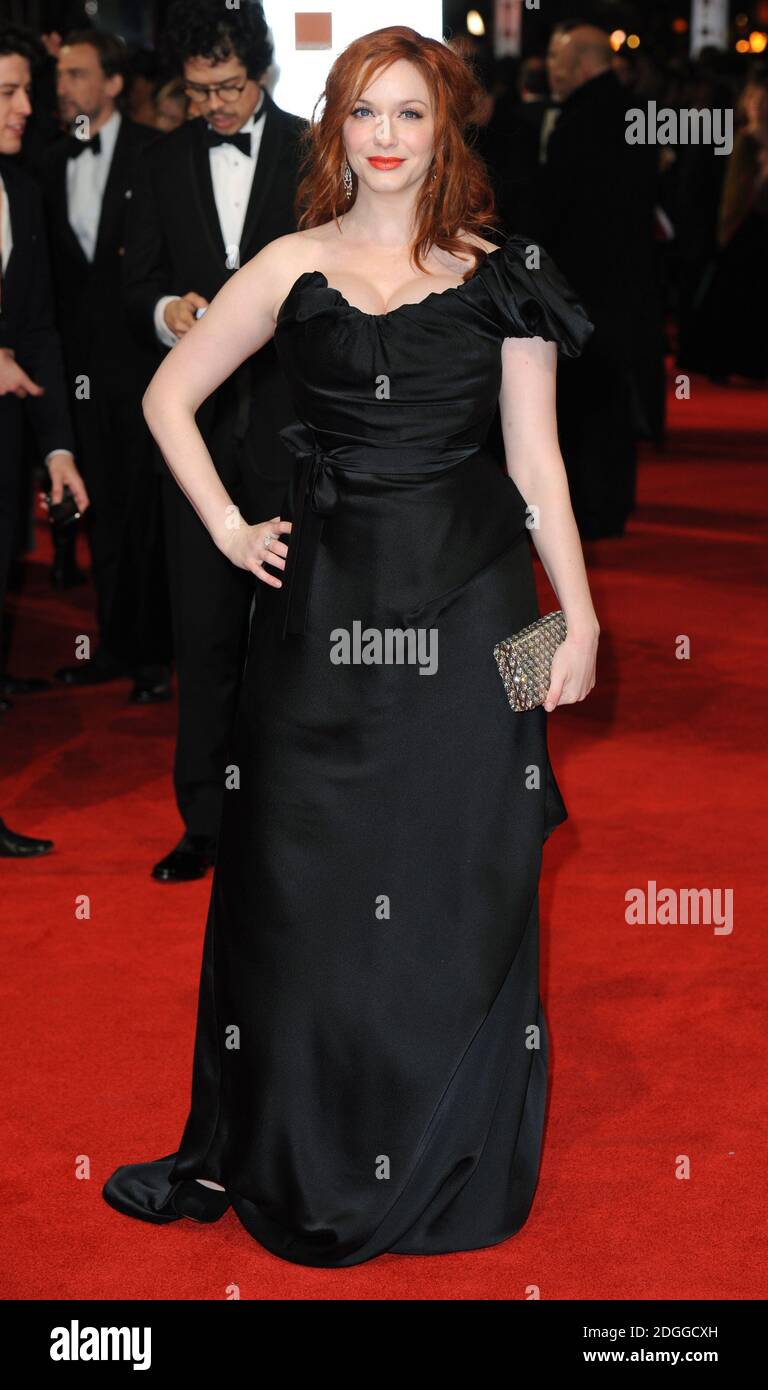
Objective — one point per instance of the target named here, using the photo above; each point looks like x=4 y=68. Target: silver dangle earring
x=347 y=179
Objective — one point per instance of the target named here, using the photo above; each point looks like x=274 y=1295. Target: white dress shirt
x=232 y=177
x=549 y=121
x=6 y=246
x=6 y=231
x=86 y=180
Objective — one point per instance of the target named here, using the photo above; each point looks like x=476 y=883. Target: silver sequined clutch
x=525 y=660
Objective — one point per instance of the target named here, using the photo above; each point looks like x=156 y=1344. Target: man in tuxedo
x=593 y=210
x=210 y=196
x=31 y=370
x=511 y=141
x=88 y=181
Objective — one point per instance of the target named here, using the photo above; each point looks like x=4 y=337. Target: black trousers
x=596 y=424
x=211 y=602
x=11 y=482
x=111 y=439
x=139 y=633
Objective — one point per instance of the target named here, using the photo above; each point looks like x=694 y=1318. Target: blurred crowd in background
x=712 y=224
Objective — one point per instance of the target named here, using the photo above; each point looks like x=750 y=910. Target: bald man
x=576 y=55
x=592 y=208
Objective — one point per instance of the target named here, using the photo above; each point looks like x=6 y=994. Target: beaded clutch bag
x=525 y=660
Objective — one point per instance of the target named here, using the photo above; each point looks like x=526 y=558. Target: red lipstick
x=380 y=161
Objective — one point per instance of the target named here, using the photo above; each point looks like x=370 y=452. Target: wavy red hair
x=460 y=198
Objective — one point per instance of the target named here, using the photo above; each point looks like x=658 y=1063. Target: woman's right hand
x=250 y=547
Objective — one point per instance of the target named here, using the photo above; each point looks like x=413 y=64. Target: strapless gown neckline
x=307 y=275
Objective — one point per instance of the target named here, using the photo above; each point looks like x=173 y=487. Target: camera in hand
x=66 y=511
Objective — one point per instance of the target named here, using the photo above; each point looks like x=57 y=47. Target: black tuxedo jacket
x=89 y=303
x=27 y=321
x=594 y=209
x=594 y=214
x=174 y=245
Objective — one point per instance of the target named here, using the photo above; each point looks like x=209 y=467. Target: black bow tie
x=214 y=138
x=241 y=138
x=77 y=146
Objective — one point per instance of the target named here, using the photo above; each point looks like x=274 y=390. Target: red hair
x=459 y=199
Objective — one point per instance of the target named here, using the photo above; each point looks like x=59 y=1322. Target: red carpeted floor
x=658 y=1031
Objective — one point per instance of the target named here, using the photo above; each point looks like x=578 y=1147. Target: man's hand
x=63 y=470
x=180 y=313
x=13 y=379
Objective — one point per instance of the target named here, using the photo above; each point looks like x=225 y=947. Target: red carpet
x=658 y=1031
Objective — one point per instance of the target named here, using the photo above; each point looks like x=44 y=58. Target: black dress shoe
x=14 y=846
x=23 y=685
x=150 y=692
x=96 y=671
x=144 y=1190
x=190 y=859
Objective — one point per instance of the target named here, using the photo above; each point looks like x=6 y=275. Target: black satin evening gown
x=370 y=1064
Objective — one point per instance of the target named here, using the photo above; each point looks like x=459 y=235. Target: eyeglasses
x=228 y=91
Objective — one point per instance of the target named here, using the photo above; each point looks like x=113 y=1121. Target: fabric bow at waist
x=317 y=496
x=318 y=481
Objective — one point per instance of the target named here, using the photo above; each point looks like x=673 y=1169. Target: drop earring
x=347 y=176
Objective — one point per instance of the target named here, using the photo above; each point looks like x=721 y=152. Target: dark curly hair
x=205 y=29
x=21 y=43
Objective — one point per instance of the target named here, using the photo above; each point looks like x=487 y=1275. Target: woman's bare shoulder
x=280 y=263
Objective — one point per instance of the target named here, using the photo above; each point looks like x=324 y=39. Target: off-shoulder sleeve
x=532 y=299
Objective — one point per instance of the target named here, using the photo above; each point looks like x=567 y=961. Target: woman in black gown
x=370 y=1063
